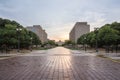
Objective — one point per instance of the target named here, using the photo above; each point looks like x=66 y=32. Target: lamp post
x=116 y=45
x=31 y=43
x=18 y=32
x=96 y=32
x=85 y=43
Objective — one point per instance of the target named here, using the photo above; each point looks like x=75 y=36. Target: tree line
x=106 y=36
x=10 y=36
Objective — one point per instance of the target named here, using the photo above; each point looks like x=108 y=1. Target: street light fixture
x=96 y=32
x=31 y=44
x=85 y=43
x=18 y=32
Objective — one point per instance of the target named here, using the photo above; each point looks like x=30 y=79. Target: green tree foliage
x=68 y=42
x=109 y=34
x=35 y=39
x=51 y=42
x=81 y=40
x=116 y=26
x=88 y=39
x=9 y=35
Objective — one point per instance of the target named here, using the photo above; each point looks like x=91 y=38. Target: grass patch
x=41 y=48
x=116 y=60
x=113 y=60
x=102 y=56
x=74 y=48
x=2 y=57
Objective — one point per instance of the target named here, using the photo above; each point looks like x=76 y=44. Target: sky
x=58 y=17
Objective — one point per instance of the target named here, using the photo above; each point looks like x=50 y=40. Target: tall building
x=39 y=31
x=78 y=30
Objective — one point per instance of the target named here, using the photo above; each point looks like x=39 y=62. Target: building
x=78 y=30
x=60 y=43
x=39 y=31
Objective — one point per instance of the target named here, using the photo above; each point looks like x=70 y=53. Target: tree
x=9 y=35
x=91 y=39
x=116 y=26
x=81 y=39
x=68 y=42
x=35 y=39
x=51 y=42
x=109 y=34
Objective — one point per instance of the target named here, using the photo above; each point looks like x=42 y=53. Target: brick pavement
x=59 y=67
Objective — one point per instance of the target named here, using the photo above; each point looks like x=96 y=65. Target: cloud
x=58 y=17
x=95 y=19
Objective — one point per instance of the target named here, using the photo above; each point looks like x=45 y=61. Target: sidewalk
x=34 y=52
x=12 y=54
x=102 y=52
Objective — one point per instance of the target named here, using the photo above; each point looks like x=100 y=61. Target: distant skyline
x=58 y=17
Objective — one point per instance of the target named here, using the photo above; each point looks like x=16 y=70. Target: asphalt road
x=59 y=64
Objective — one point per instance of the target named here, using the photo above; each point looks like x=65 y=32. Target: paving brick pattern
x=59 y=68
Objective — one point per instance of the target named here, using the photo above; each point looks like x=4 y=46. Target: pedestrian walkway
x=58 y=67
x=102 y=52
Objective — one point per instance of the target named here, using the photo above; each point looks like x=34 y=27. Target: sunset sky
x=58 y=17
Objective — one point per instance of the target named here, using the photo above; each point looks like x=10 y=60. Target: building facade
x=39 y=31
x=59 y=43
x=78 y=30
